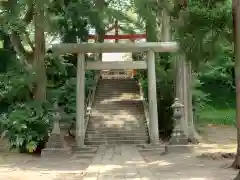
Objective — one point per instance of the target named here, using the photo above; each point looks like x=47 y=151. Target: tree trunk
x=236 y=32
x=39 y=52
x=182 y=81
x=193 y=136
x=166 y=27
x=182 y=88
x=100 y=4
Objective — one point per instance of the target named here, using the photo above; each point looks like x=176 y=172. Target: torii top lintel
x=115 y=47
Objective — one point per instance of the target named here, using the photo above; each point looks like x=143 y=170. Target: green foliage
x=204 y=33
x=164 y=99
x=200 y=98
x=211 y=115
x=6 y=59
x=15 y=86
x=26 y=125
x=67 y=97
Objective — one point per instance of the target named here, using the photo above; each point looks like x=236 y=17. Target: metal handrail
x=145 y=107
x=89 y=102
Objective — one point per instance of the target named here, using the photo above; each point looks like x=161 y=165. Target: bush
x=26 y=126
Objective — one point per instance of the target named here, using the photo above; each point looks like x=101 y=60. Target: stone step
x=86 y=149
x=118 y=109
x=84 y=153
x=112 y=99
x=119 y=91
x=131 y=109
x=119 y=138
x=119 y=133
x=120 y=115
x=118 y=104
x=117 y=81
x=96 y=114
x=119 y=85
x=124 y=102
x=106 y=131
x=114 y=123
x=116 y=142
x=114 y=127
x=114 y=93
x=97 y=111
x=109 y=118
x=152 y=148
x=116 y=130
x=117 y=115
x=116 y=120
x=120 y=127
x=115 y=96
x=118 y=88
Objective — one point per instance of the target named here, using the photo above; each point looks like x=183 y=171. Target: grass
x=212 y=115
x=220 y=109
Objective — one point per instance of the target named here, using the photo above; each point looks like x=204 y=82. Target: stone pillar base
x=85 y=152
x=159 y=148
x=179 y=148
x=80 y=141
x=55 y=141
x=178 y=138
x=55 y=147
x=56 y=153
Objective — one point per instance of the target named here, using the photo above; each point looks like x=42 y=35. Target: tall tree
x=39 y=52
x=236 y=32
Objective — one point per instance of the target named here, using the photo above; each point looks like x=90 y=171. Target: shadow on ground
x=115 y=162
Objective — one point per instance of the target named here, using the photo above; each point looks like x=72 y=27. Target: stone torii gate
x=82 y=48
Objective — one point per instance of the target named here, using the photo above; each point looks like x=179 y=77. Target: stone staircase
x=117 y=114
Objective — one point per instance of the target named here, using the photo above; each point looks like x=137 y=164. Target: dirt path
x=220 y=134
x=190 y=166
x=118 y=162
x=15 y=166
x=125 y=163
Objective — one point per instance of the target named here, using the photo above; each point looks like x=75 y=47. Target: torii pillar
x=152 y=98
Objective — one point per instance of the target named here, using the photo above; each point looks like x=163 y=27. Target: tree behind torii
x=236 y=32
